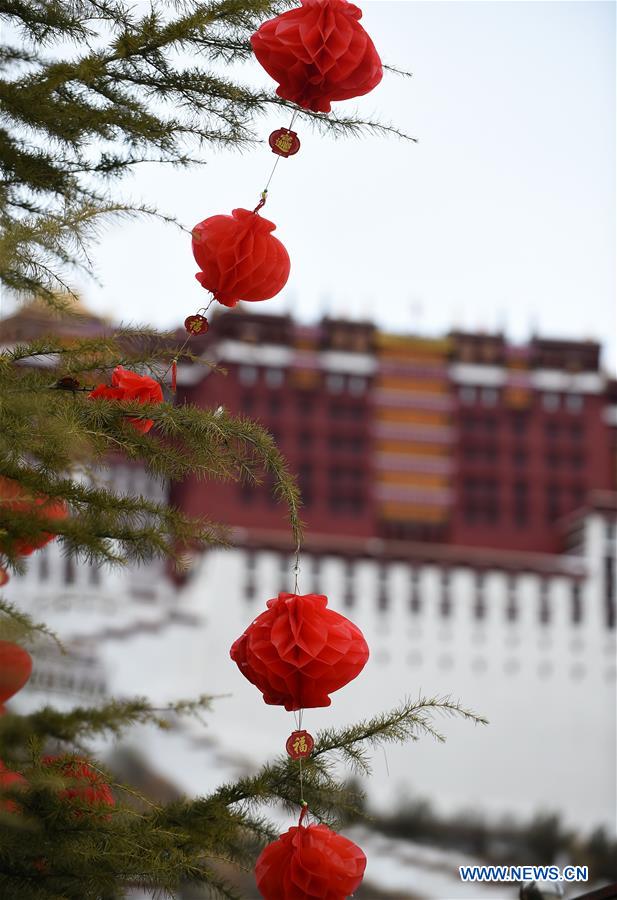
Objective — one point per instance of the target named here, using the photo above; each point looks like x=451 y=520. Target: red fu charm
x=284 y=142
x=318 y=52
x=297 y=652
x=239 y=258
x=196 y=324
x=312 y=863
x=300 y=744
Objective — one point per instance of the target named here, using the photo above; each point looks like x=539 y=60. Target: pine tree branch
x=17 y=625
x=83 y=723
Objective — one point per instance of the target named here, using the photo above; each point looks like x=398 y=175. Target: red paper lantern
x=127 y=385
x=15 y=670
x=9 y=779
x=89 y=785
x=17 y=499
x=298 y=651
x=318 y=52
x=313 y=863
x=239 y=257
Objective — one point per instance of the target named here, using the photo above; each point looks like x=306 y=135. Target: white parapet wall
x=505 y=644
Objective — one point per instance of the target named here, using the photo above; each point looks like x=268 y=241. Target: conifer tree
x=88 y=89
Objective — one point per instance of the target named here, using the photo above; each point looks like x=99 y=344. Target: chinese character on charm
x=299 y=744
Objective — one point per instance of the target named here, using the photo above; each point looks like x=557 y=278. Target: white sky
x=502 y=216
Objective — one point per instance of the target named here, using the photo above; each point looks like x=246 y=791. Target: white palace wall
x=508 y=649
x=548 y=688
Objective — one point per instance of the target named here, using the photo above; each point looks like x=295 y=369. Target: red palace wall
x=521 y=455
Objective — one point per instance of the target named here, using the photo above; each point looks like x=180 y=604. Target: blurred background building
x=459 y=498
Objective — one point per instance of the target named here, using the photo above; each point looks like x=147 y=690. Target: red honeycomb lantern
x=86 y=784
x=9 y=779
x=313 y=863
x=318 y=52
x=297 y=652
x=239 y=258
x=18 y=499
x=15 y=670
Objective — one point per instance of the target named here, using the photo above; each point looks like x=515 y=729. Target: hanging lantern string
x=174 y=363
x=264 y=193
x=296 y=567
x=298 y=720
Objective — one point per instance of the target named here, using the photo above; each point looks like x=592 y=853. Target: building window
x=609 y=590
x=491 y=452
x=467 y=395
x=247 y=493
x=446 y=602
x=520 y=503
x=577 y=605
x=274 y=377
x=69 y=570
x=335 y=383
x=479 y=608
x=43 y=565
x=574 y=403
x=357 y=385
x=415 y=603
x=552 y=430
x=511 y=610
x=519 y=423
x=383 y=598
x=489 y=396
x=356 y=411
x=247 y=375
x=348 y=592
x=519 y=457
x=248 y=403
x=550 y=402
x=305 y=405
x=545 y=611
x=249 y=584
x=553 y=502
x=274 y=404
